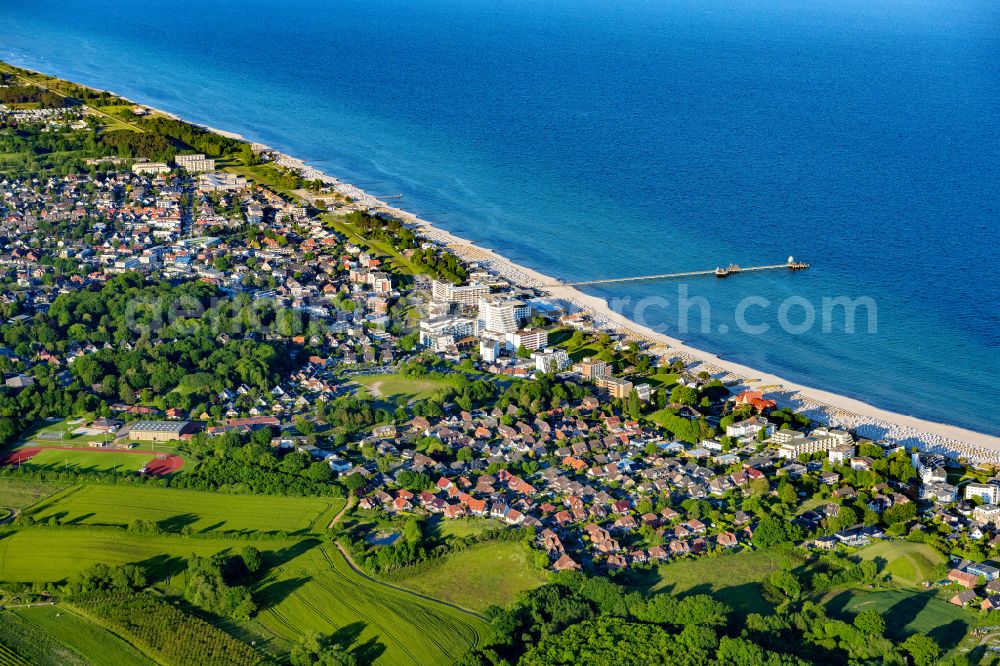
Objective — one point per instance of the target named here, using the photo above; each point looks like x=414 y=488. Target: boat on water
x=727 y=271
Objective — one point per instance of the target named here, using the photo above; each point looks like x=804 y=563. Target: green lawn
x=906 y=612
x=662 y=379
x=394 y=387
x=174 y=509
x=734 y=579
x=910 y=564
x=84 y=460
x=18 y=494
x=317 y=591
x=483 y=575
x=58 y=554
x=95 y=643
x=463 y=527
x=267 y=175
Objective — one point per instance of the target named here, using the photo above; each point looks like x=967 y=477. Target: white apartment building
x=502 y=316
x=196 y=163
x=489 y=350
x=550 y=360
x=750 y=427
x=465 y=295
x=150 y=168
x=432 y=331
x=989 y=493
x=821 y=439
x=530 y=339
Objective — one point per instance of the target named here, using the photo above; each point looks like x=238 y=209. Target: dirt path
x=355 y=569
x=351 y=501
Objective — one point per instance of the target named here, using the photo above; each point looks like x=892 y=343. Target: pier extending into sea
x=732 y=269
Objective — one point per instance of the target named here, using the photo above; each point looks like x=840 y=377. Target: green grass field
x=174 y=509
x=662 y=379
x=906 y=612
x=317 y=591
x=734 y=579
x=486 y=574
x=83 y=460
x=59 y=554
x=909 y=563
x=393 y=387
x=18 y=494
x=443 y=529
x=83 y=636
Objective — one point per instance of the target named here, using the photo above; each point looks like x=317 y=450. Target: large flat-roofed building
x=159 y=431
x=821 y=439
x=467 y=295
x=221 y=181
x=195 y=163
x=150 y=168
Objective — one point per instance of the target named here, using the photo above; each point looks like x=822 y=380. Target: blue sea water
x=591 y=138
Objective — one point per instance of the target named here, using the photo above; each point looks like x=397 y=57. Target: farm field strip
x=83 y=636
x=318 y=591
x=486 y=574
x=20 y=494
x=57 y=554
x=202 y=511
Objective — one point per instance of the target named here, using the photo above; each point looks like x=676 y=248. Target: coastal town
x=419 y=376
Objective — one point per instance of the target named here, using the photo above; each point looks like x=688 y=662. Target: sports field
x=486 y=574
x=173 y=509
x=318 y=591
x=78 y=460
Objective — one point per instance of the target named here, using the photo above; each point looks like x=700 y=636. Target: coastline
x=822 y=406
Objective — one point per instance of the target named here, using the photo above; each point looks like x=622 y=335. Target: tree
x=772 y=531
x=922 y=648
x=870 y=622
x=354 y=482
x=252 y=559
x=786 y=582
x=320 y=650
x=846 y=517
x=683 y=395
x=786 y=493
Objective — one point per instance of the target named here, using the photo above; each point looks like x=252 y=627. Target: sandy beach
x=822 y=406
